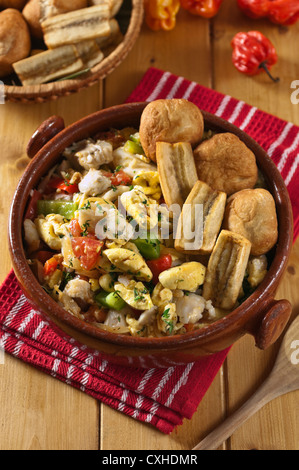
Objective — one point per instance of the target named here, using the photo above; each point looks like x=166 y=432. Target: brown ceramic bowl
x=260 y=315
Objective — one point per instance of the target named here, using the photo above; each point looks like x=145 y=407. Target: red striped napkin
x=161 y=397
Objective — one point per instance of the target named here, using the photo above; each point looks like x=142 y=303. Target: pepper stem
x=263 y=65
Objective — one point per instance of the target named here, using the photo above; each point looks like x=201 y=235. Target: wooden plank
x=184 y=51
x=39 y=412
x=275 y=426
x=179 y=52
x=120 y=432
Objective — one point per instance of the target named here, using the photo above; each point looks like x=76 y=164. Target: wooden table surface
x=38 y=411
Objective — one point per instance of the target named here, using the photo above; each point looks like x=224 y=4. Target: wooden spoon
x=284 y=378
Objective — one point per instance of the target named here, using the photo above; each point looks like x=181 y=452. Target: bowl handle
x=273 y=323
x=45 y=132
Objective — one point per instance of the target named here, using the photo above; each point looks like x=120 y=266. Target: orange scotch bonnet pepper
x=161 y=14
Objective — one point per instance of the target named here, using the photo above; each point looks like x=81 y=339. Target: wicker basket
x=55 y=90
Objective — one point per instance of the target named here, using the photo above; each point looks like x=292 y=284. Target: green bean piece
x=149 y=248
x=133 y=147
x=65 y=208
x=110 y=300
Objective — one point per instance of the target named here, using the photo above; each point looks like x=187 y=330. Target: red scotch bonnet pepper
x=204 y=8
x=253 y=53
x=283 y=12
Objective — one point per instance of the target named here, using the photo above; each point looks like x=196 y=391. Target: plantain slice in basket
x=76 y=26
x=48 y=66
x=177 y=171
x=226 y=270
x=90 y=53
x=108 y=43
x=48 y=8
x=114 y=5
x=200 y=221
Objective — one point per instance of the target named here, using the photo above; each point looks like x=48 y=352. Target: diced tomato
x=53 y=184
x=108 y=174
x=121 y=178
x=189 y=327
x=63 y=185
x=157 y=266
x=87 y=250
x=96 y=314
x=75 y=228
x=31 y=212
x=114 y=137
x=50 y=266
x=44 y=256
x=83 y=278
x=69 y=188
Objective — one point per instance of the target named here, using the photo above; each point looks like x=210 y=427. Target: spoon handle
x=261 y=397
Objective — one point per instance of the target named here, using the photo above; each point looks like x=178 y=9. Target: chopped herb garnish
x=66 y=277
x=85 y=226
x=47 y=289
x=141 y=331
x=150 y=286
x=165 y=317
x=137 y=294
x=86 y=206
x=166 y=313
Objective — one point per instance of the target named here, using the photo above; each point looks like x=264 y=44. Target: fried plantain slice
x=200 y=221
x=226 y=270
x=76 y=26
x=177 y=171
x=48 y=65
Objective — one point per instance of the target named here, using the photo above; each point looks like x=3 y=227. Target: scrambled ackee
x=80 y=235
